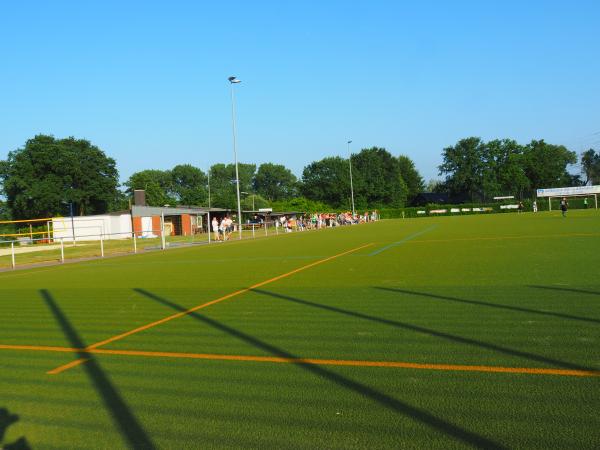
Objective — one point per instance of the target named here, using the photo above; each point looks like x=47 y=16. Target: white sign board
x=568 y=191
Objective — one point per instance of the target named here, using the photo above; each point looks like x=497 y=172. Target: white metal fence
x=48 y=250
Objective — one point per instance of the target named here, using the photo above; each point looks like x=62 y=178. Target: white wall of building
x=92 y=228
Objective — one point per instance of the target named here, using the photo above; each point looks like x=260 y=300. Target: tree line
x=48 y=175
x=479 y=170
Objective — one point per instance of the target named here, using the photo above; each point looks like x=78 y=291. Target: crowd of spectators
x=223 y=227
x=318 y=221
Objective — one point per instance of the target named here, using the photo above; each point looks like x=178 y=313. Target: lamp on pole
x=232 y=81
x=351 y=185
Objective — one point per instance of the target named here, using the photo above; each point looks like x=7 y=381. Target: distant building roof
x=145 y=211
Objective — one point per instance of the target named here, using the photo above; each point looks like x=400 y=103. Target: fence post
x=12 y=252
x=266 y=225
x=163 y=241
x=208 y=225
x=62 y=250
x=102 y=245
x=252 y=231
x=134 y=243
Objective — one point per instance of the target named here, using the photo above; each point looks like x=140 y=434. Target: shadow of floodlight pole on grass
x=491 y=305
x=565 y=289
x=430 y=332
x=6 y=420
x=391 y=403
x=128 y=425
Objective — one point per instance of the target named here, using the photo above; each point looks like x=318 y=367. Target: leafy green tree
x=590 y=166
x=435 y=185
x=546 y=164
x=378 y=180
x=463 y=165
x=327 y=181
x=40 y=179
x=4 y=212
x=158 y=185
x=504 y=169
x=376 y=177
x=120 y=202
x=253 y=202
x=302 y=204
x=5 y=215
x=411 y=176
x=275 y=182
x=188 y=184
x=222 y=183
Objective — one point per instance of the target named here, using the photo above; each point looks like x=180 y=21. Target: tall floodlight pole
x=232 y=81
x=208 y=187
x=351 y=185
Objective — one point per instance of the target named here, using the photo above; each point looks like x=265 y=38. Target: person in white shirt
x=215 y=228
x=223 y=229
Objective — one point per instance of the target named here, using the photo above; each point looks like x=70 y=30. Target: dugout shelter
x=575 y=191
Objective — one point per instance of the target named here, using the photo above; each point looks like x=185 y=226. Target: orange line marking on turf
x=67 y=366
x=205 y=305
x=323 y=362
x=40 y=348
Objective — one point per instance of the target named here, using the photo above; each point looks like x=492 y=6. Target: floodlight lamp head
x=233 y=80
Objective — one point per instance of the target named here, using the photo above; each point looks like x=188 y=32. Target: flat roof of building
x=145 y=211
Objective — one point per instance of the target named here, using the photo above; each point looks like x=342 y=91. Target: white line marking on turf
x=402 y=241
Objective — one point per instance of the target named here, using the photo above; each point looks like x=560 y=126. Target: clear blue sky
x=147 y=81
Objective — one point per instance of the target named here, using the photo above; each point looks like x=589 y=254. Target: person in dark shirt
x=564 y=206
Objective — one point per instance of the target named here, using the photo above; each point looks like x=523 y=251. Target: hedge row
x=398 y=213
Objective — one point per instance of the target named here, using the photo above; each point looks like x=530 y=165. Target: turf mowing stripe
x=323 y=362
x=501 y=238
x=204 y=305
x=402 y=241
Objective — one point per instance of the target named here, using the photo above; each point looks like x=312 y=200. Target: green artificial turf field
x=448 y=303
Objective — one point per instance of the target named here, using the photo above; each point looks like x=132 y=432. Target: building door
x=147 y=230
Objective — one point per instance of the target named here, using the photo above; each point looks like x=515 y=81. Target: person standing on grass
x=534 y=206
x=215 y=228
x=229 y=227
x=564 y=206
x=222 y=226
x=585 y=203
